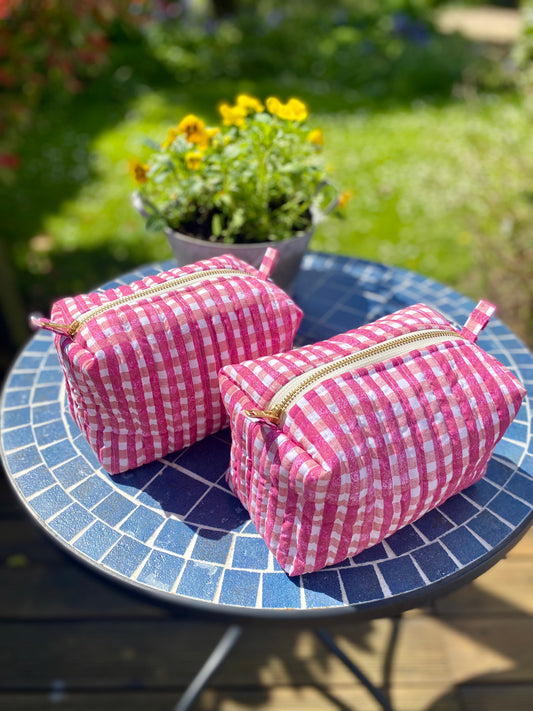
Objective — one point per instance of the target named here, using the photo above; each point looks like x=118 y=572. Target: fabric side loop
x=477 y=320
x=269 y=262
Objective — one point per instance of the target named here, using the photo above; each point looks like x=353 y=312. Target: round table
x=173 y=530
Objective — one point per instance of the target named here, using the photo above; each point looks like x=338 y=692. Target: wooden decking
x=69 y=640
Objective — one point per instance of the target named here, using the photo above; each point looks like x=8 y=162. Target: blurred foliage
x=367 y=49
x=431 y=132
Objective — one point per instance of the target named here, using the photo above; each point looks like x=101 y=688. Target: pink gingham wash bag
x=339 y=444
x=141 y=361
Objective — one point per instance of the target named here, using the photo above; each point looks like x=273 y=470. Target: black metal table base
x=232 y=635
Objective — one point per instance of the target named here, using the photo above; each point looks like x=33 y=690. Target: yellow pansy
x=316 y=136
x=293 y=110
x=232 y=115
x=249 y=103
x=273 y=105
x=172 y=134
x=139 y=171
x=193 y=160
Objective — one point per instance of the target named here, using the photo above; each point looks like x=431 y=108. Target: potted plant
x=257 y=180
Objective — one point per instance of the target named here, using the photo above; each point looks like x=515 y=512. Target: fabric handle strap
x=269 y=262
x=477 y=320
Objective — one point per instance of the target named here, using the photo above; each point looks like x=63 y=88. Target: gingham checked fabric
x=141 y=377
x=365 y=452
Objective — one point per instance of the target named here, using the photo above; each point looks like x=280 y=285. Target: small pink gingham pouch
x=339 y=444
x=141 y=361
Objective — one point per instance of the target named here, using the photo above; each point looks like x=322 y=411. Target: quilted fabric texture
x=363 y=452
x=141 y=376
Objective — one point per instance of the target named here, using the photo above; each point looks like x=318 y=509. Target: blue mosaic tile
x=435 y=562
x=175 y=536
x=19 y=437
x=200 y=580
x=522 y=486
x=509 y=450
x=42 y=413
x=46 y=393
x=220 y=510
x=28 y=361
x=58 y=453
x=481 y=492
x=517 y=431
x=212 y=546
x=22 y=380
x=97 y=540
x=250 y=553
x=433 y=525
x=35 y=480
x=404 y=540
x=239 y=587
x=18 y=417
x=49 y=432
x=322 y=588
x=72 y=472
x=458 y=509
x=508 y=508
x=400 y=575
x=212 y=469
x=361 y=584
x=489 y=528
x=50 y=502
x=161 y=570
x=23 y=459
x=498 y=472
x=463 y=545
x=126 y=555
x=71 y=521
x=280 y=591
x=91 y=491
x=173 y=491
x=50 y=376
x=372 y=554
x=113 y=509
x=142 y=523
x=40 y=343
x=134 y=480
x=16 y=398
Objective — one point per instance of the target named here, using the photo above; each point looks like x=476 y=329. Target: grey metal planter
x=187 y=250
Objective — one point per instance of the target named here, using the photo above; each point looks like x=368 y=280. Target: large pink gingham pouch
x=339 y=444
x=141 y=360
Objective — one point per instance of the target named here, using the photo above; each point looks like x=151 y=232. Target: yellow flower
x=191 y=125
x=315 y=136
x=139 y=171
x=293 y=110
x=212 y=132
x=232 y=115
x=250 y=104
x=193 y=160
x=344 y=197
x=172 y=134
x=273 y=105
x=296 y=110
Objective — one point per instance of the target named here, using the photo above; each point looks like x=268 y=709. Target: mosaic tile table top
x=173 y=529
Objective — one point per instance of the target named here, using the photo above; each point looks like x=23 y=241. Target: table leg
x=330 y=643
x=212 y=663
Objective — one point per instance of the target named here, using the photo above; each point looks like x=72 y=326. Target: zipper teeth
x=157 y=288
x=381 y=348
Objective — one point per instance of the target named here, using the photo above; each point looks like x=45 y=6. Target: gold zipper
x=73 y=328
x=300 y=384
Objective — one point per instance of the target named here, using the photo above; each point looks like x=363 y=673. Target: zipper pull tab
x=268 y=415
x=38 y=321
